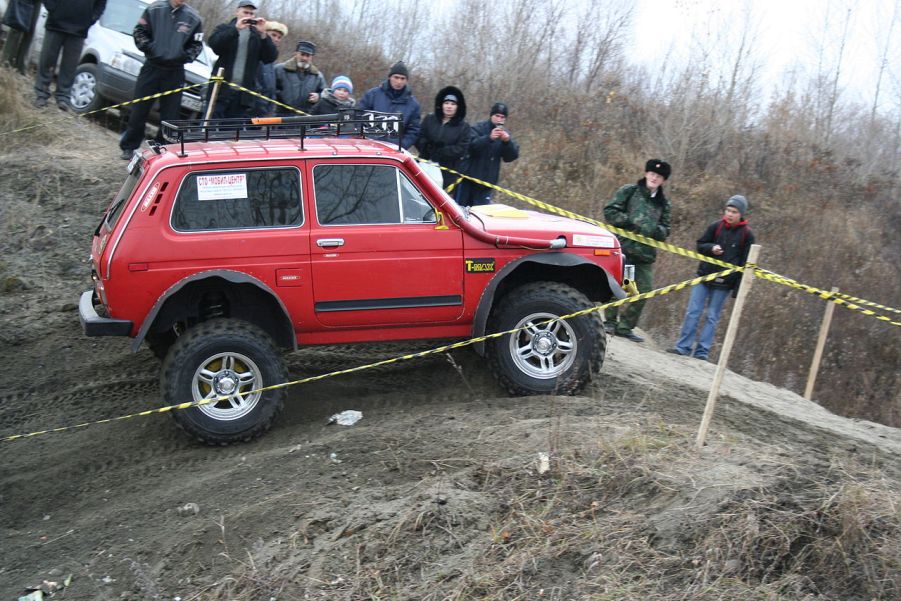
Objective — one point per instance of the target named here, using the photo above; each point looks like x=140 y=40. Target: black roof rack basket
x=345 y=123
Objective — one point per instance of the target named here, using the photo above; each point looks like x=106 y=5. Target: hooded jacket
x=632 y=208
x=445 y=143
x=169 y=38
x=73 y=17
x=736 y=243
x=386 y=99
x=294 y=85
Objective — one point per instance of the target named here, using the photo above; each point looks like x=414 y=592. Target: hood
x=506 y=220
x=461 y=104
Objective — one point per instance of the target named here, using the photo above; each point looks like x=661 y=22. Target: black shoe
x=700 y=357
x=610 y=328
x=40 y=103
x=630 y=335
x=63 y=106
x=675 y=351
x=126 y=154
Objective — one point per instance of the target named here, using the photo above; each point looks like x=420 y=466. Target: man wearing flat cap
x=242 y=44
x=298 y=82
x=642 y=208
x=395 y=96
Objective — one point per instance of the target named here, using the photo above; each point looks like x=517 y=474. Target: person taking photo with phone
x=489 y=143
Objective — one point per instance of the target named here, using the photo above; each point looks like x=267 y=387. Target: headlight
x=595 y=241
x=126 y=63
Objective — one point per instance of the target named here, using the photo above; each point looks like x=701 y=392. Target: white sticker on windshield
x=222 y=186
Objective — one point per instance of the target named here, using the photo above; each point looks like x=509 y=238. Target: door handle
x=329 y=242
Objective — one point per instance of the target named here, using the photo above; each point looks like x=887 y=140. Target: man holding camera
x=242 y=44
x=489 y=144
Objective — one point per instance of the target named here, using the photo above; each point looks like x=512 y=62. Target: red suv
x=237 y=242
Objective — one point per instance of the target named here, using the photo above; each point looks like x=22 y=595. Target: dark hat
x=739 y=202
x=499 y=108
x=305 y=46
x=659 y=167
x=450 y=98
x=398 y=68
x=251 y=3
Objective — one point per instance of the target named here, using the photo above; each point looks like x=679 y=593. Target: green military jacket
x=633 y=209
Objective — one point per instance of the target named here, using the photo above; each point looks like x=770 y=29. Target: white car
x=110 y=61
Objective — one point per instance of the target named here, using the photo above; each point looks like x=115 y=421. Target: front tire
x=224 y=358
x=547 y=355
x=85 y=97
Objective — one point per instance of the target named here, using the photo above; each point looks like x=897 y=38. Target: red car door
x=379 y=258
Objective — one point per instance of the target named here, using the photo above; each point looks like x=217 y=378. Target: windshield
x=122 y=15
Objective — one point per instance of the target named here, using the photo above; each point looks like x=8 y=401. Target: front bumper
x=94 y=325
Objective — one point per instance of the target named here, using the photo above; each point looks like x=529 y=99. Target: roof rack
x=345 y=123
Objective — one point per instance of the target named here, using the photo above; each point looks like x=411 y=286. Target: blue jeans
x=701 y=296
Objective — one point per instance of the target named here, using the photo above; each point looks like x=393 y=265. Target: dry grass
x=629 y=519
x=16 y=112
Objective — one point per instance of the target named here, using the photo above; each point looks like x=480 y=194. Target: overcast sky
x=788 y=33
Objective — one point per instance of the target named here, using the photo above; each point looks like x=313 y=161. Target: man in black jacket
x=170 y=34
x=489 y=144
x=728 y=239
x=242 y=44
x=67 y=26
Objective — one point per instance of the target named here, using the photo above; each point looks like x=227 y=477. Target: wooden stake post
x=747 y=277
x=821 y=344
x=214 y=94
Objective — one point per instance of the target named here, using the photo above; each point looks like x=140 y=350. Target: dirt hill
x=439 y=492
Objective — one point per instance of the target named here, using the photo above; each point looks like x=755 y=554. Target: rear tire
x=224 y=358
x=547 y=356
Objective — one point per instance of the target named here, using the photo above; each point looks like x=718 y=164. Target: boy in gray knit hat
x=728 y=239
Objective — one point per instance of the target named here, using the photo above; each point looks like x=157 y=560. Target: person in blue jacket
x=395 y=96
x=489 y=144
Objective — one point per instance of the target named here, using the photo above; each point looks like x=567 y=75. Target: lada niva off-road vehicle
x=238 y=242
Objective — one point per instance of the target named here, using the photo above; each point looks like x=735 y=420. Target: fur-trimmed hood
x=461 y=103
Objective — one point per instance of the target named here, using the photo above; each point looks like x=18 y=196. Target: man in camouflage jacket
x=642 y=208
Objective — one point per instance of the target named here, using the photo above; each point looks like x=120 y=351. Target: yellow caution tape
x=849 y=300
x=106 y=108
x=823 y=294
x=441 y=349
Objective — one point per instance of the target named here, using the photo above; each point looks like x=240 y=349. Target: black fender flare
x=556 y=259
x=235 y=277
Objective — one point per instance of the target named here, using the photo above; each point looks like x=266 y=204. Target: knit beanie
x=399 y=68
x=659 y=167
x=499 y=108
x=739 y=202
x=343 y=81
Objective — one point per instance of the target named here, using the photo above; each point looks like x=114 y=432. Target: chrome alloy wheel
x=545 y=348
x=84 y=88
x=230 y=375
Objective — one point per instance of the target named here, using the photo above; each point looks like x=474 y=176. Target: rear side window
x=238 y=199
x=367 y=195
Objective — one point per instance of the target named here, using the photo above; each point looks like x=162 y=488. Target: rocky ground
x=439 y=492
